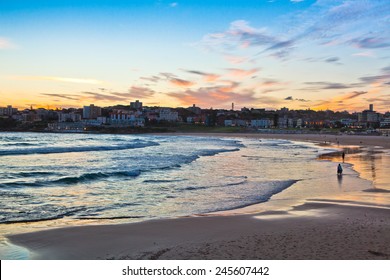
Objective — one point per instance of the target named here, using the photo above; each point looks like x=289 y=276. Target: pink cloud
x=181 y=83
x=235 y=59
x=241 y=73
x=218 y=96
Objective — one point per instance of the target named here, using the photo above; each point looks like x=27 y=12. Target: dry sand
x=317 y=229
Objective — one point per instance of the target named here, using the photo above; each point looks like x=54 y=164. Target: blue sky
x=321 y=54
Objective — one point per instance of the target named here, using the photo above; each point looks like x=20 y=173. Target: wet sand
x=315 y=230
x=355 y=225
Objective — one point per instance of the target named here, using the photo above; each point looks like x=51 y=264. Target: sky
x=299 y=54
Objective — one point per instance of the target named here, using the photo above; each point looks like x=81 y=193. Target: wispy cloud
x=56 y=79
x=208 y=77
x=355 y=94
x=6 y=44
x=332 y=59
x=153 y=79
x=235 y=59
x=63 y=96
x=239 y=35
x=270 y=83
x=380 y=79
x=371 y=42
x=325 y=23
x=381 y=101
x=327 y=85
x=218 y=96
x=97 y=96
x=141 y=92
x=167 y=75
x=181 y=82
x=174 y=80
x=290 y=98
x=241 y=73
x=365 y=54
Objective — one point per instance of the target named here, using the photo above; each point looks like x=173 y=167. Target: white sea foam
x=114 y=176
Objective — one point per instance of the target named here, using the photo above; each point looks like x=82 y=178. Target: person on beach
x=343 y=156
x=339 y=170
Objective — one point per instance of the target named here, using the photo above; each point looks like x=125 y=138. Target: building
x=347 y=122
x=120 y=119
x=299 y=123
x=283 y=122
x=262 y=123
x=66 y=126
x=385 y=123
x=168 y=115
x=368 y=118
x=69 y=117
x=236 y=122
x=290 y=123
x=195 y=110
x=91 y=112
x=31 y=117
x=8 y=111
x=136 y=105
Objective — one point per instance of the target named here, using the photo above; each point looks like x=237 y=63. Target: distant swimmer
x=339 y=170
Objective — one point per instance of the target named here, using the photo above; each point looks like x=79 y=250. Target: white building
x=385 y=122
x=282 y=122
x=122 y=119
x=347 y=122
x=69 y=117
x=66 y=126
x=228 y=122
x=262 y=123
x=168 y=115
x=235 y=123
x=290 y=123
x=299 y=123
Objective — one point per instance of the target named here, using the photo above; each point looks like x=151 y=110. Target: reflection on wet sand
x=340 y=180
x=372 y=163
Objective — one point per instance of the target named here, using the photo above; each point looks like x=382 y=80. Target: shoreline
x=342 y=140
x=337 y=139
x=162 y=238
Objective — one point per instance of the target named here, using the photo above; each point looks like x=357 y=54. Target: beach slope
x=314 y=230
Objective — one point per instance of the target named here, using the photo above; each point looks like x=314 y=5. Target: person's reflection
x=373 y=169
x=340 y=180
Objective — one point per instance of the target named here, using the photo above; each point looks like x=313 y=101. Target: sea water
x=84 y=176
x=68 y=178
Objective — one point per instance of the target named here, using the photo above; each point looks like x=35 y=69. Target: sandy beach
x=355 y=225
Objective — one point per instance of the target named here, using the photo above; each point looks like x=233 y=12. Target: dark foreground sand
x=317 y=229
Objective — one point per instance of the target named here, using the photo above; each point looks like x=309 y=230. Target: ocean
x=71 y=179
